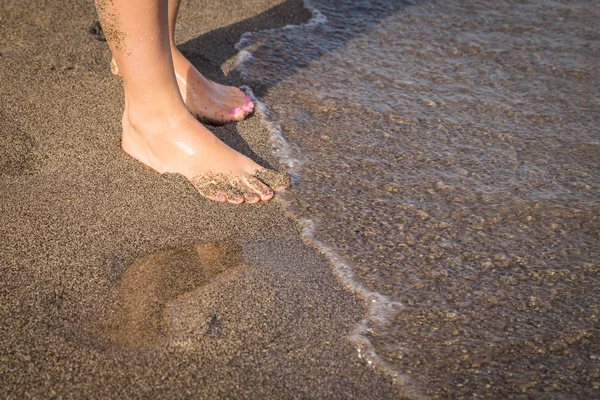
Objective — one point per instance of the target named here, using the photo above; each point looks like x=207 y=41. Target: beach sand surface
x=231 y=301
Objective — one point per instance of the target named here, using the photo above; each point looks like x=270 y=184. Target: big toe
x=249 y=107
x=275 y=180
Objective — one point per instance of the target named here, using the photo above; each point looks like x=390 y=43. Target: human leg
x=158 y=130
x=208 y=101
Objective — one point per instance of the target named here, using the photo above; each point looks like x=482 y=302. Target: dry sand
x=75 y=211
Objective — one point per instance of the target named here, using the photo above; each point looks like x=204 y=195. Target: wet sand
x=454 y=168
x=79 y=219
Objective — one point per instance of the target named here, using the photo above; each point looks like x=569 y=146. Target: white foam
x=281 y=147
x=317 y=18
x=380 y=309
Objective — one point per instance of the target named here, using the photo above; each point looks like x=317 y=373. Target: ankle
x=140 y=118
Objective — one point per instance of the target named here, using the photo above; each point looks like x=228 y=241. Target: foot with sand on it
x=174 y=141
x=160 y=126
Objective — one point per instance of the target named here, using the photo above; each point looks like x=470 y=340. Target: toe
x=239 y=99
x=249 y=195
x=234 y=195
x=221 y=116
x=249 y=107
x=211 y=191
x=274 y=179
x=265 y=192
x=114 y=68
x=237 y=113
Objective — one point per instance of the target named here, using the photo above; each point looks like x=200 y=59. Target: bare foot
x=173 y=141
x=208 y=101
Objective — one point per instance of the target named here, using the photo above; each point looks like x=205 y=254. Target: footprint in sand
x=154 y=281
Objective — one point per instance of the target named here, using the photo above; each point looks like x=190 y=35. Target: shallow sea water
x=449 y=153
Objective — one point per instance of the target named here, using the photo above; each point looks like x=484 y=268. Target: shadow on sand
x=210 y=50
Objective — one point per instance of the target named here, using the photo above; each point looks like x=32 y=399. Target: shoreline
x=79 y=213
x=452 y=179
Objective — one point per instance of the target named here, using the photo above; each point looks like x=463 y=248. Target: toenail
x=234 y=111
x=248 y=107
x=247 y=98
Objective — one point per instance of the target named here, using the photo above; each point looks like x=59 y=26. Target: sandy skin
x=160 y=121
x=216 y=171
